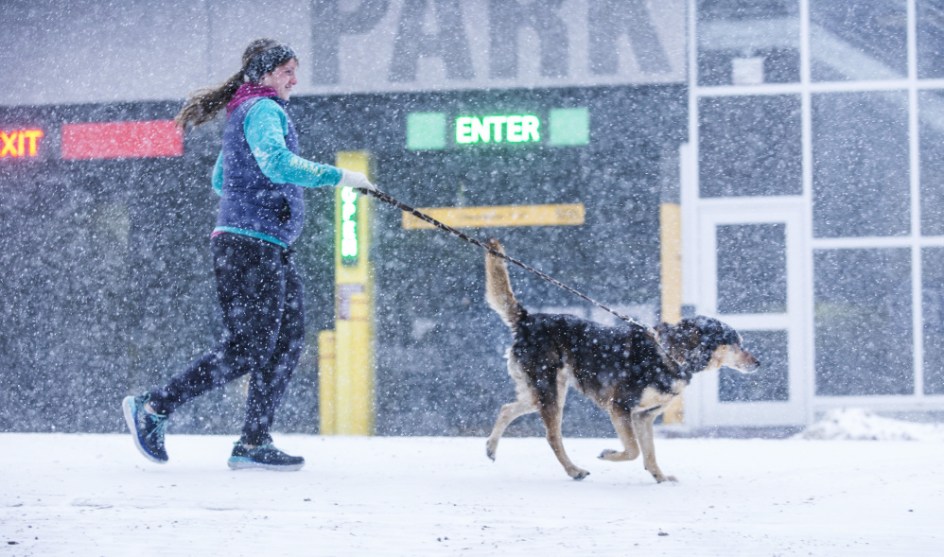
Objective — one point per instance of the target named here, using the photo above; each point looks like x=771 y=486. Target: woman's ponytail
x=203 y=104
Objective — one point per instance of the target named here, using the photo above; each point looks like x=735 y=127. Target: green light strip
x=350 y=246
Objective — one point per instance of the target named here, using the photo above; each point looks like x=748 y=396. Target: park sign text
x=428 y=45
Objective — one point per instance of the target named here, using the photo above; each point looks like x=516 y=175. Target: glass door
x=751 y=263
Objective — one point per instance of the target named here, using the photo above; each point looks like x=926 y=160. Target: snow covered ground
x=834 y=495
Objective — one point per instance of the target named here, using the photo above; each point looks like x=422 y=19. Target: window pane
x=860 y=164
x=771 y=380
x=750 y=146
x=745 y=42
x=752 y=268
x=930 y=38
x=931 y=116
x=933 y=302
x=862 y=322
x=861 y=40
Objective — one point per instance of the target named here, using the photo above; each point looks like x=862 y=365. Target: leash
x=389 y=199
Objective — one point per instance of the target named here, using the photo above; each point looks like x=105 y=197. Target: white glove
x=356 y=180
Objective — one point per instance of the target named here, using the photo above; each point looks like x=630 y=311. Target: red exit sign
x=20 y=143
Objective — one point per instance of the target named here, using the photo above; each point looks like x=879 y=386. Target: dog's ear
x=669 y=337
x=680 y=339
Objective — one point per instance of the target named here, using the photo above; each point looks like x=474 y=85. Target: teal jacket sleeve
x=217 y=179
x=265 y=127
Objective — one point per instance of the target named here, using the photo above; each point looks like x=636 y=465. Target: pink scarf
x=248 y=91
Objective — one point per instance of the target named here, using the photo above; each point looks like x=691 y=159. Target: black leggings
x=261 y=296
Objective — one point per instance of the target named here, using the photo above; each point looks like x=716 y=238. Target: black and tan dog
x=632 y=372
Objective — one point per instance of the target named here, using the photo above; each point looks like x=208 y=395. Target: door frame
x=707 y=409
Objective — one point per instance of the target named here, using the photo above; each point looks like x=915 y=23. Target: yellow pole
x=327 y=381
x=355 y=383
x=354 y=378
x=670 y=240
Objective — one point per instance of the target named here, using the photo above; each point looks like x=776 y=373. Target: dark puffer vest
x=252 y=203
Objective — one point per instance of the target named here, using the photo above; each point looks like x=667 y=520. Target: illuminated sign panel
x=18 y=144
x=117 y=140
x=512 y=128
x=554 y=127
x=569 y=126
x=425 y=131
x=350 y=246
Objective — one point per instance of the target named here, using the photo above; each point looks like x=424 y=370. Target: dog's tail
x=498 y=291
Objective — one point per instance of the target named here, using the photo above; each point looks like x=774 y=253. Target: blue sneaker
x=265 y=456
x=147 y=428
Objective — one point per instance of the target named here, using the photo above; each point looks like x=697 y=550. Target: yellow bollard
x=355 y=385
x=327 y=383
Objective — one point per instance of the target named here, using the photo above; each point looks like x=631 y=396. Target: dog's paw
x=490 y=450
x=660 y=478
x=579 y=474
x=613 y=456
